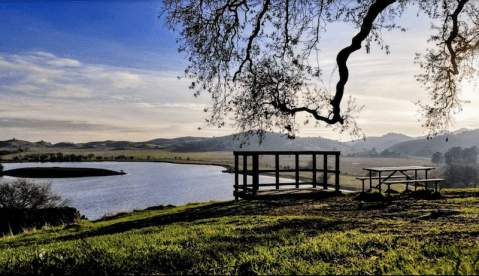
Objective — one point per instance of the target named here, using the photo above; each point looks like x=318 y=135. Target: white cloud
x=70 y=90
x=44 y=54
x=125 y=79
x=26 y=88
x=64 y=62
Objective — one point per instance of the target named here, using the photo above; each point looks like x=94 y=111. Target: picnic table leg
x=362 y=181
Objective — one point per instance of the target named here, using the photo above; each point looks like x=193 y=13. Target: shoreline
x=189 y=162
x=228 y=168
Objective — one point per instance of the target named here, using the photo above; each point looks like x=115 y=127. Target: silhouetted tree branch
x=253 y=57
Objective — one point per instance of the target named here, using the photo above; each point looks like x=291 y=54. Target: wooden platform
x=288 y=193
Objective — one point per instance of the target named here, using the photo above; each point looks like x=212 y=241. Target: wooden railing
x=255 y=170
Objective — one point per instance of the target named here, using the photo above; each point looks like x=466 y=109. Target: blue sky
x=106 y=70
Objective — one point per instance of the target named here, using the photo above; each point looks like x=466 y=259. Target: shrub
x=26 y=204
x=1 y=168
x=27 y=194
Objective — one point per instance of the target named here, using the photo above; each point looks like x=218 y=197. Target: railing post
x=296 y=161
x=255 y=173
x=276 y=159
x=325 y=171
x=245 y=174
x=314 y=170
x=236 y=176
x=337 y=173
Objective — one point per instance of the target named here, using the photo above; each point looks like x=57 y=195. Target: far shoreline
x=229 y=168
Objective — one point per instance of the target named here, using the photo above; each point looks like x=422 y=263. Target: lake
x=145 y=184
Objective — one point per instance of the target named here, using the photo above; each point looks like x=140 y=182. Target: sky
x=85 y=71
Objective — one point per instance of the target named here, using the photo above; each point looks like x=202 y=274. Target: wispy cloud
x=44 y=93
x=55 y=125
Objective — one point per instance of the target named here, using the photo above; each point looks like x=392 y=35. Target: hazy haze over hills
x=402 y=144
x=426 y=148
x=380 y=143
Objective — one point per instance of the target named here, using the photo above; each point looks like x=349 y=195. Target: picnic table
x=399 y=175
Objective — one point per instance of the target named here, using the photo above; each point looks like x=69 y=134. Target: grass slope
x=335 y=235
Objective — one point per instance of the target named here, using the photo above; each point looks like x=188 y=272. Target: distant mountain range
x=402 y=144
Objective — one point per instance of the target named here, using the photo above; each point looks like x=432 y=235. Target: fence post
x=236 y=176
x=255 y=174
x=296 y=161
x=277 y=170
x=314 y=170
x=337 y=173
x=245 y=173
x=325 y=171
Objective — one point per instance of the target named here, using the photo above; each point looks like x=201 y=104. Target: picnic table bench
x=363 y=178
x=404 y=177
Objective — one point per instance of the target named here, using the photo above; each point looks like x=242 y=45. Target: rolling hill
x=442 y=143
x=405 y=145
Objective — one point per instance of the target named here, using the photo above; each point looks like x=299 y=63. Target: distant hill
x=405 y=145
x=380 y=143
x=21 y=145
x=272 y=141
x=426 y=148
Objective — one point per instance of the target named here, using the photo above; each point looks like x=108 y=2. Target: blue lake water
x=145 y=184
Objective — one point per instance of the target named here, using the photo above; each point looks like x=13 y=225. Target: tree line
x=461 y=168
x=60 y=157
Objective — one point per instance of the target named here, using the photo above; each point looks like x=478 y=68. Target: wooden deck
x=287 y=193
x=251 y=189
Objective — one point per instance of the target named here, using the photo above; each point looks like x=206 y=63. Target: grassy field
x=333 y=235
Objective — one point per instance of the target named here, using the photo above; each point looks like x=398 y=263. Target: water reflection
x=145 y=184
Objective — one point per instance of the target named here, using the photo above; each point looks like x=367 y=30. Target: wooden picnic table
x=390 y=173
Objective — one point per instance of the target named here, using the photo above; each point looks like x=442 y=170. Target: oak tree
x=255 y=58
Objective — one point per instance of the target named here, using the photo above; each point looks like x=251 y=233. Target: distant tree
x=1 y=168
x=459 y=156
x=99 y=157
x=469 y=155
x=437 y=158
x=43 y=157
x=453 y=156
x=53 y=157
x=59 y=156
x=391 y=154
x=90 y=156
x=459 y=176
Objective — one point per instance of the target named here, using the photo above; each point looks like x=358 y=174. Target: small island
x=57 y=172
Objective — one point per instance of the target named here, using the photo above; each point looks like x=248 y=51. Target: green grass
x=327 y=236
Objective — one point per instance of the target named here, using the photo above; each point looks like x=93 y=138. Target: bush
x=26 y=204
x=1 y=168
x=27 y=194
